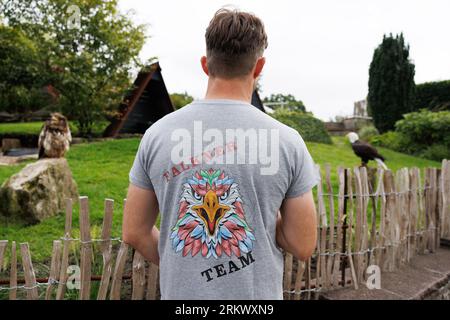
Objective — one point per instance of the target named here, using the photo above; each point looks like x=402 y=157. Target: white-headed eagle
x=365 y=151
x=211 y=219
x=55 y=137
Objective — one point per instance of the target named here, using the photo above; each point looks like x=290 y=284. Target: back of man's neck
x=229 y=90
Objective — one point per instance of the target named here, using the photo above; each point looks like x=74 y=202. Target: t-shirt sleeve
x=305 y=174
x=139 y=175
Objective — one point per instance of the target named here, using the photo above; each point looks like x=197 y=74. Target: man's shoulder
x=167 y=121
x=255 y=119
x=287 y=134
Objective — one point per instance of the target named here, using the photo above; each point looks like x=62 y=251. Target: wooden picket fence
x=374 y=218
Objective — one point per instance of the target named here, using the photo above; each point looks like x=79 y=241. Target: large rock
x=38 y=191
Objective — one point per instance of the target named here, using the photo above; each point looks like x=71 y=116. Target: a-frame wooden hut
x=148 y=102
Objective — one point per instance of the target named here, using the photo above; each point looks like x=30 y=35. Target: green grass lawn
x=21 y=128
x=101 y=171
x=34 y=128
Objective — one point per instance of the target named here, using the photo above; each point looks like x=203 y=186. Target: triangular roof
x=148 y=102
x=256 y=101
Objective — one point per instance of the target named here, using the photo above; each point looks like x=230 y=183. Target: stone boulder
x=38 y=191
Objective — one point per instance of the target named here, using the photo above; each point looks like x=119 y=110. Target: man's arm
x=139 y=217
x=297 y=226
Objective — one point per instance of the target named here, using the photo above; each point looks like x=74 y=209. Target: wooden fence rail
x=374 y=217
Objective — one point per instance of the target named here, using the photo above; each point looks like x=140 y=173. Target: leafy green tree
x=391 y=82
x=309 y=127
x=88 y=50
x=286 y=101
x=20 y=81
x=179 y=100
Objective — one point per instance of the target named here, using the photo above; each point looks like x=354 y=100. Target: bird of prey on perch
x=365 y=151
x=55 y=137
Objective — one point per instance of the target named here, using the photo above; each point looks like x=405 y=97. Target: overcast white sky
x=319 y=50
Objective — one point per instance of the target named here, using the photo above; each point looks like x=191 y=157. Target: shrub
x=310 y=128
x=425 y=128
x=367 y=132
x=424 y=134
x=391 y=139
x=436 y=152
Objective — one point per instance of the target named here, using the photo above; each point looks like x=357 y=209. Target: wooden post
x=445 y=190
x=54 y=268
x=434 y=209
x=373 y=231
x=438 y=207
x=350 y=229
x=319 y=280
x=86 y=250
x=406 y=215
x=118 y=271
x=359 y=224
x=13 y=273
x=422 y=216
x=337 y=257
x=3 y=245
x=30 y=277
x=65 y=255
x=364 y=228
x=331 y=243
x=402 y=189
x=106 y=250
x=138 y=276
x=390 y=220
x=323 y=232
x=287 y=283
x=152 y=282
x=414 y=211
x=344 y=230
x=382 y=239
x=299 y=280
x=308 y=279
x=428 y=219
x=430 y=222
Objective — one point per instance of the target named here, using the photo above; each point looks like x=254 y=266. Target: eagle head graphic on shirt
x=211 y=219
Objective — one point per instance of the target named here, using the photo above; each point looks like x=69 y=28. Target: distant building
x=359 y=119
x=360 y=109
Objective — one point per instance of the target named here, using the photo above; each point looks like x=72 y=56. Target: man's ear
x=204 y=64
x=259 y=67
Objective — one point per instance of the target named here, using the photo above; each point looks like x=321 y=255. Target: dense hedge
x=310 y=128
x=424 y=134
x=433 y=95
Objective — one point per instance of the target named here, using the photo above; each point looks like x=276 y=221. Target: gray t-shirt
x=220 y=170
